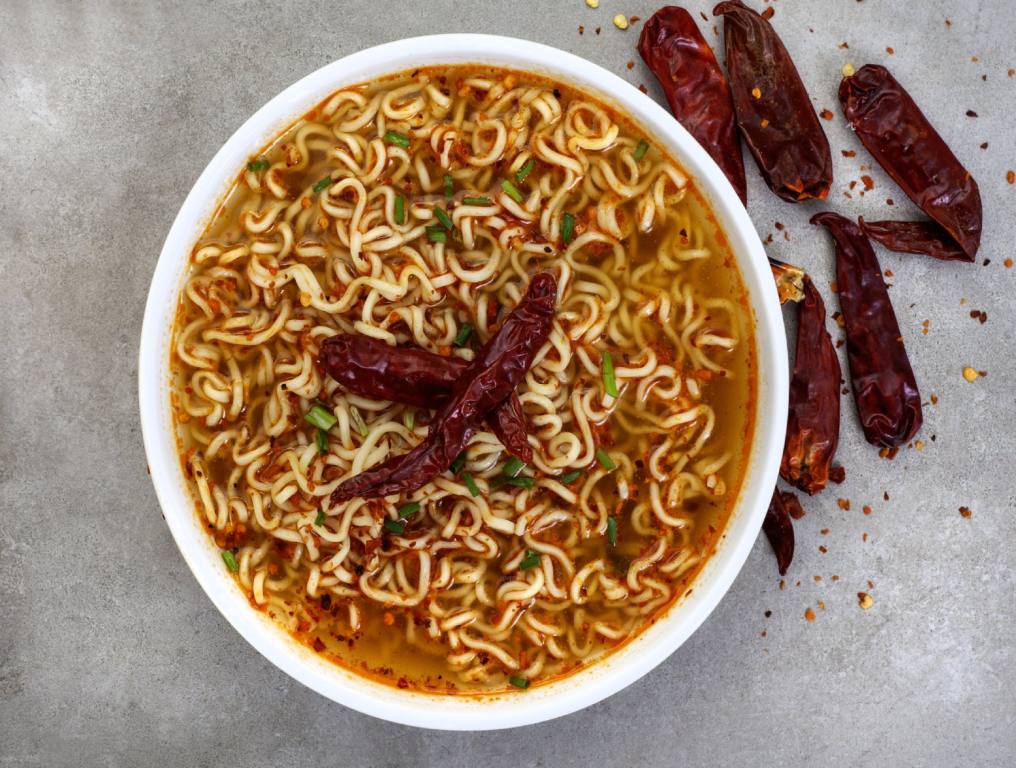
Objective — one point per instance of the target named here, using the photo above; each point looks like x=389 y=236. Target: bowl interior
x=655 y=643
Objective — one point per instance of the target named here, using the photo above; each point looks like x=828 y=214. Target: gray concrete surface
x=110 y=654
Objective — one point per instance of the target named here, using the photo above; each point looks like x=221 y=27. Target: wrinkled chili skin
x=789 y=281
x=696 y=89
x=490 y=379
x=882 y=380
x=779 y=529
x=780 y=126
x=897 y=134
x=375 y=369
x=813 y=424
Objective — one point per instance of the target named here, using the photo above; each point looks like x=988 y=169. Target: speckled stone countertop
x=111 y=655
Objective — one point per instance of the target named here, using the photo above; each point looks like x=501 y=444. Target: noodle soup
x=414 y=210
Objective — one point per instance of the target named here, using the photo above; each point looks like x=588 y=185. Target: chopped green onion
x=260 y=164
x=443 y=218
x=512 y=191
x=437 y=235
x=320 y=417
x=525 y=170
x=531 y=560
x=320 y=519
x=605 y=461
x=448 y=191
x=474 y=489
x=321 y=438
x=407 y=510
x=476 y=200
x=463 y=335
x=609 y=380
x=459 y=463
x=395 y=526
x=397 y=139
x=612 y=531
x=513 y=466
x=409 y=418
x=322 y=185
x=520 y=482
x=567 y=228
x=358 y=422
x=230 y=560
x=400 y=210
x=519 y=681
x=640 y=149
x=571 y=477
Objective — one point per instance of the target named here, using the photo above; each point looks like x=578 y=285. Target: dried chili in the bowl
x=372 y=368
x=779 y=529
x=882 y=380
x=697 y=91
x=813 y=423
x=774 y=111
x=490 y=379
x=895 y=131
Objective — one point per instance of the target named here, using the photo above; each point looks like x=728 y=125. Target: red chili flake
x=864 y=537
x=948 y=23
x=809 y=614
x=885 y=494
x=1008 y=263
x=778 y=225
x=965 y=512
x=843 y=504
x=582 y=29
x=984 y=145
x=890 y=51
x=844 y=45
x=934 y=399
x=793 y=505
x=630 y=64
x=634 y=19
x=1010 y=176
x=971 y=113
x=824 y=531
x=826 y=114
x=823 y=550
x=837 y=474
x=642 y=88
x=869 y=183
x=597 y=30
x=768 y=13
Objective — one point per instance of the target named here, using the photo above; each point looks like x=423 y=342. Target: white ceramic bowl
x=652 y=646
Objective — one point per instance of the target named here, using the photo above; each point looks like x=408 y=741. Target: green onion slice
x=459 y=463
x=437 y=234
x=519 y=681
x=448 y=191
x=443 y=218
x=609 y=380
x=525 y=170
x=612 y=531
x=320 y=417
x=640 y=149
x=474 y=489
x=567 y=228
x=463 y=335
x=513 y=466
x=320 y=519
x=605 y=461
x=520 y=482
x=531 y=560
x=321 y=438
x=322 y=185
x=261 y=164
x=400 y=210
x=397 y=139
x=395 y=526
x=512 y=191
x=571 y=477
x=230 y=560
x=407 y=510
x=476 y=201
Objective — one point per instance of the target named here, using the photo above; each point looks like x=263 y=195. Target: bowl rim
x=654 y=644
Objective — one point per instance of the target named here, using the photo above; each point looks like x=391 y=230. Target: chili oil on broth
x=309 y=243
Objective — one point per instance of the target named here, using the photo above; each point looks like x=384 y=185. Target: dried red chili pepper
x=372 y=368
x=882 y=380
x=774 y=112
x=696 y=90
x=895 y=131
x=789 y=281
x=489 y=380
x=813 y=424
x=779 y=528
